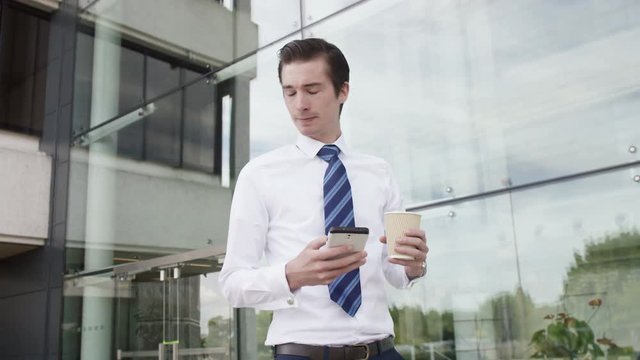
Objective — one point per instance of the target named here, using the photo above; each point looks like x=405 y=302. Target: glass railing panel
x=313 y=11
x=275 y=20
x=186 y=316
x=149 y=309
x=465 y=98
x=271 y=125
x=148 y=182
x=88 y=311
x=504 y=269
x=128 y=53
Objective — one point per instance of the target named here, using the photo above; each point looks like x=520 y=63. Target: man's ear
x=344 y=92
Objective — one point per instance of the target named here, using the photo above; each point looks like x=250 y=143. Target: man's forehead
x=304 y=72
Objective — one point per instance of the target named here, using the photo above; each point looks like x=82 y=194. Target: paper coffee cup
x=395 y=225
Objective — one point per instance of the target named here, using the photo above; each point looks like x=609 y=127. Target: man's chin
x=305 y=130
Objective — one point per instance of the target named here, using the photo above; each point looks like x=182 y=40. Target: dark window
x=162 y=128
x=83 y=86
x=131 y=95
x=181 y=130
x=24 y=36
x=199 y=127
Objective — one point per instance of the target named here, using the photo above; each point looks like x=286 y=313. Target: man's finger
x=416 y=254
x=332 y=274
x=413 y=241
x=332 y=252
x=383 y=239
x=418 y=233
x=316 y=244
x=344 y=261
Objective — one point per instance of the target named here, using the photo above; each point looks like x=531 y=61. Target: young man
x=284 y=203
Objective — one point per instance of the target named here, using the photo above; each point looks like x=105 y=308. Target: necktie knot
x=328 y=152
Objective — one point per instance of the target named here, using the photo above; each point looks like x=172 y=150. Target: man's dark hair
x=309 y=49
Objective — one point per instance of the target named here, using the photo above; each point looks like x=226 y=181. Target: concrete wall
x=144 y=207
x=169 y=26
x=25 y=182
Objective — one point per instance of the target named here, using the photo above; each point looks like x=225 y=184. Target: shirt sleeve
x=394 y=273
x=243 y=281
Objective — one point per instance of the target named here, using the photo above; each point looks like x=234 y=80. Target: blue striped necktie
x=338 y=211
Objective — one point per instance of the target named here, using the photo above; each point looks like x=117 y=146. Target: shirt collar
x=310 y=147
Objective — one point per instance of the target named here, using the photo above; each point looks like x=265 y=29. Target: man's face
x=311 y=99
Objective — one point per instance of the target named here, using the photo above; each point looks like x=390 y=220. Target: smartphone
x=354 y=236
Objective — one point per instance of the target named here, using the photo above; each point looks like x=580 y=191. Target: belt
x=347 y=352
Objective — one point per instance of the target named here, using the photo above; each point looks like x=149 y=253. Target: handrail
x=154 y=263
x=525 y=186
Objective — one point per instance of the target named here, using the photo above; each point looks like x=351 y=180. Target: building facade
x=511 y=127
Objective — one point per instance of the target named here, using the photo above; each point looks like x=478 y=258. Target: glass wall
x=150 y=169
x=511 y=127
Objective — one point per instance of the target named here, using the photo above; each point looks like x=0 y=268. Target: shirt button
x=290 y=300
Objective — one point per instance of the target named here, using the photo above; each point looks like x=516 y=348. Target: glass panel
x=201 y=32
x=316 y=10
x=87 y=324
x=109 y=209
x=161 y=77
x=191 y=75
x=475 y=96
x=580 y=246
x=132 y=94
x=499 y=266
x=188 y=314
x=271 y=126
x=162 y=130
x=275 y=22
x=140 y=314
x=131 y=84
x=83 y=85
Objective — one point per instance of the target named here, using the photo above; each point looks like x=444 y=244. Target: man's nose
x=301 y=102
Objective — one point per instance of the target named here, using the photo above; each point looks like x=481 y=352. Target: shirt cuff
x=277 y=279
x=411 y=282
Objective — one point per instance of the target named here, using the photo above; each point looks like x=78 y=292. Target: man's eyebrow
x=304 y=86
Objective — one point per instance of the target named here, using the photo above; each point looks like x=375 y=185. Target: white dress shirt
x=277 y=210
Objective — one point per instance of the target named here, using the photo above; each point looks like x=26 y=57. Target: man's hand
x=414 y=244
x=313 y=266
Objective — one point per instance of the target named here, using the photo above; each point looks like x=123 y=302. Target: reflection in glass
x=463 y=95
x=577 y=247
x=275 y=22
x=271 y=126
x=83 y=78
x=161 y=77
x=148 y=312
x=131 y=82
x=162 y=131
x=316 y=10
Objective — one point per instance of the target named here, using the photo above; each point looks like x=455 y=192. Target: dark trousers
x=390 y=354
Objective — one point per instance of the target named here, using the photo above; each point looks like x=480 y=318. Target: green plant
x=568 y=337
x=565 y=337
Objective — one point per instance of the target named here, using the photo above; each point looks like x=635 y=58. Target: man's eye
x=313 y=92
x=290 y=94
